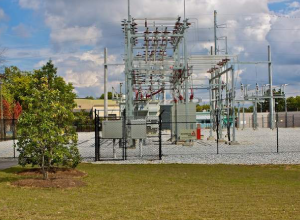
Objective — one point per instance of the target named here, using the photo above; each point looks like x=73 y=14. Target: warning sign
x=188 y=134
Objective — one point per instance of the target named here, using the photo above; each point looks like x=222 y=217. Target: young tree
x=46 y=135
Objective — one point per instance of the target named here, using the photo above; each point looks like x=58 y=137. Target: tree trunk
x=45 y=172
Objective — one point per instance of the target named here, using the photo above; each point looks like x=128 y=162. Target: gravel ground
x=255 y=147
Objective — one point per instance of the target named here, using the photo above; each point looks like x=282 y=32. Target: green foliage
x=90 y=97
x=46 y=135
x=16 y=85
x=83 y=118
x=109 y=95
x=201 y=108
x=293 y=103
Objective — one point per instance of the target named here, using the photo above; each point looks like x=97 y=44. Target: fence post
x=97 y=137
x=159 y=137
x=286 y=120
x=124 y=135
x=14 y=134
x=217 y=117
x=159 y=134
x=249 y=122
x=277 y=132
x=293 y=121
x=262 y=121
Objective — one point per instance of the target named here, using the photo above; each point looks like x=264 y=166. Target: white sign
x=188 y=134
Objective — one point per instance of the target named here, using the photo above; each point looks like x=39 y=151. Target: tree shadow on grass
x=10 y=174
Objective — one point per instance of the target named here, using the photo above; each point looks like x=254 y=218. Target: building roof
x=85 y=104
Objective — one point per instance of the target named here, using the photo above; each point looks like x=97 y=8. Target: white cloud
x=276 y=1
x=83 y=79
x=76 y=36
x=294 y=5
x=259 y=28
x=22 y=30
x=30 y=4
x=75 y=23
x=2 y=14
x=85 y=71
x=89 y=56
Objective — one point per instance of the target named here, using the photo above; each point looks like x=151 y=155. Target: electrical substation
x=159 y=104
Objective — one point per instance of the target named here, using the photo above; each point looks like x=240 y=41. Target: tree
x=7 y=111
x=17 y=111
x=280 y=106
x=46 y=135
x=90 y=97
x=109 y=96
x=201 y=108
x=293 y=103
x=16 y=85
x=83 y=118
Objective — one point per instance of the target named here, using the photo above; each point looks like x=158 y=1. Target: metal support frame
x=149 y=68
x=271 y=105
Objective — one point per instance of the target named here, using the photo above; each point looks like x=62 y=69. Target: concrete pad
x=211 y=138
x=7 y=163
x=222 y=140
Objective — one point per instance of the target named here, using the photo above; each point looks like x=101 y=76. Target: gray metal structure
x=155 y=62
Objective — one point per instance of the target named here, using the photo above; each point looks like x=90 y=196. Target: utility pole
x=215 y=31
x=219 y=103
x=285 y=105
x=186 y=83
x=271 y=107
x=233 y=142
x=121 y=91
x=227 y=90
x=129 y=16
x=239 y=116
x=184 y=10
x=211 y=98
x=243 y=115
x=105 y=84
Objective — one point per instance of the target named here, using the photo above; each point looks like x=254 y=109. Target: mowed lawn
x=161 y=192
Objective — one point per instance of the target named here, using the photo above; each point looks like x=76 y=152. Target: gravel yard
x=255 y=147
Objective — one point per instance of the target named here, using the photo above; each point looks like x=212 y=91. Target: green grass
x=161 y=192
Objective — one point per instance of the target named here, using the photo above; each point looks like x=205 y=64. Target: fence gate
x=112 y=142
x=109 y=140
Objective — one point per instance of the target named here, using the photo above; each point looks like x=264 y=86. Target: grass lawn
x=161 y=192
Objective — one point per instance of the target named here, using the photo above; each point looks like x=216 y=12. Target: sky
x=74 y=33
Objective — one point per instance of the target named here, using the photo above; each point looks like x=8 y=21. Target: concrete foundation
x=234 y=143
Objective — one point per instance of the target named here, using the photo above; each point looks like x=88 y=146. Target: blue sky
x=73 y=34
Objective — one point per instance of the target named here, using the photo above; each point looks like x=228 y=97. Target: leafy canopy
x=46 y=135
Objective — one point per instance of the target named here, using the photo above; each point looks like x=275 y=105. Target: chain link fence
x=127 y=138
x=156 y=138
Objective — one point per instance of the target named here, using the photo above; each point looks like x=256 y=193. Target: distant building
x=89 y=105
x=203 y=118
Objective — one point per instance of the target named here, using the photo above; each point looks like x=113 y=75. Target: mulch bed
x=58 y=178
